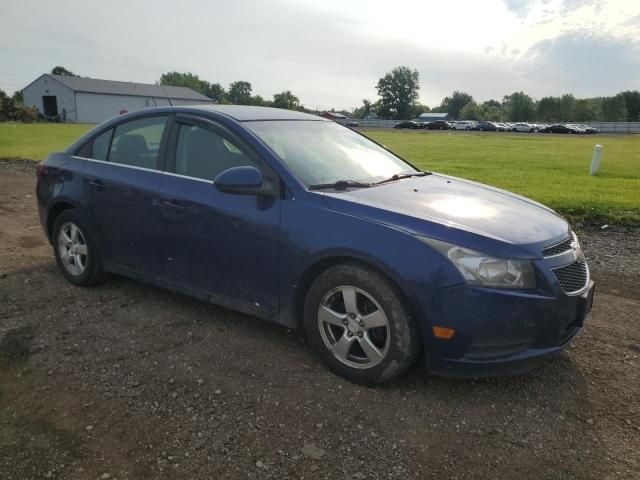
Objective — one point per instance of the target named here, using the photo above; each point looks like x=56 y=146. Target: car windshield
x=320 y=152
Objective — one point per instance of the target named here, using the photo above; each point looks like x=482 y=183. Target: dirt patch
x=31 y=242
x=132 y=381
x=15 y=346
x=34 y=449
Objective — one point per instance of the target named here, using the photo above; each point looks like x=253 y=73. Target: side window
x=203 y=153
x=100 y=147
x=137 y=143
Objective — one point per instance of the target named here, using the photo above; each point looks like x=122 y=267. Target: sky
x=331 y=53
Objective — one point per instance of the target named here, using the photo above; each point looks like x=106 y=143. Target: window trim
x=188 y=119
x=160 y=161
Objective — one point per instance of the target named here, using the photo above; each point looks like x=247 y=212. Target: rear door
x=223 y=244
x=123 y=178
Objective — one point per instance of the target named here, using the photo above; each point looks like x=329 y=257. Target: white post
x=595 y=159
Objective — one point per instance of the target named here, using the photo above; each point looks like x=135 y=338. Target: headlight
x=484 y=271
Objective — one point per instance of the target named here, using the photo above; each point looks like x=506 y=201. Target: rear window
x=137 y=143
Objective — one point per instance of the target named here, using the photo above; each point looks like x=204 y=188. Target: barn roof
x=335 y=115
x=113 y=87
x=434 y=115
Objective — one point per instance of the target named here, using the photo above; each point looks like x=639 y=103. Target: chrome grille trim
x=559 y=248
x=574 y=277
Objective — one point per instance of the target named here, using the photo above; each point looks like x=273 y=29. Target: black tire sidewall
x=404 y=343
x=93 y=270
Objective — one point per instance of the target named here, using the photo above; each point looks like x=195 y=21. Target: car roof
x=247 y=113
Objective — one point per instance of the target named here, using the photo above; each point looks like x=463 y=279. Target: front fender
x=313 y=233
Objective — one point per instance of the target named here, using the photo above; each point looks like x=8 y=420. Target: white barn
x=88 y=100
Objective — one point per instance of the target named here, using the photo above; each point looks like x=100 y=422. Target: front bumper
x=498 y=332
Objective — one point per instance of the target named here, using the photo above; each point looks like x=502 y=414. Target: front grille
x=572 y=277
x=558 y=248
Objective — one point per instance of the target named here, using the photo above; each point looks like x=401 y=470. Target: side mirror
x=240 y=181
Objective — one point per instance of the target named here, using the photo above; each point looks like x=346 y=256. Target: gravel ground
x=127 y=381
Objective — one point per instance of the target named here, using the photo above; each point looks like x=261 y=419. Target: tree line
x=398 y=91
x=519 y=107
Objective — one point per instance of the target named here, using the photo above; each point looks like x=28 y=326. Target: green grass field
x=35 y=141
x=550 y=169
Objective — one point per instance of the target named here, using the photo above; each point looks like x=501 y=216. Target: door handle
x=172 y=205
x=97 y=185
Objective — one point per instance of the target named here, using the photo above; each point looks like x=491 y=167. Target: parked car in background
x=408 y=124
x=559 y=128
x=438 y=125
x=351 y=123
x=579 y=128
x=524 y=127
x=463 y=125
x=486 y=127
x=590 y=130
x=299 y=220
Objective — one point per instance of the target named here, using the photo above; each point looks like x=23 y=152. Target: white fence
x=376 y=123
x=616 y=127
x=604 y=127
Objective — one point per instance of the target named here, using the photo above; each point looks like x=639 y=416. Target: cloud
x=583 y=63
x=330 y=54
x=321 y=55
x=632 y=21
x=520 y=7
x=571 y=5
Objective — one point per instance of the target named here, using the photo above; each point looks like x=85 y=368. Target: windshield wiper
x=339 y=185
x=399 y=176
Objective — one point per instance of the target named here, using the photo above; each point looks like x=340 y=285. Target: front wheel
x=358 y=324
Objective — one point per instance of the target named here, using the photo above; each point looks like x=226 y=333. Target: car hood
x=453 y=203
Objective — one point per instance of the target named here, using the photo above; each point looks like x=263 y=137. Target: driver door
x=224 y=245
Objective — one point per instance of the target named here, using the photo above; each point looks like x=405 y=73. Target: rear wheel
x=359 y=325
x=75 y=250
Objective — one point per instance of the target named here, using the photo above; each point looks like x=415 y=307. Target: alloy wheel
x=72 y=248
x=354 y=327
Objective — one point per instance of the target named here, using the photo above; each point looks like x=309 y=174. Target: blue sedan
x=309 y=224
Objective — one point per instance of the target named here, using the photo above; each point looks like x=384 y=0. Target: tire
x=381 y=325
x=71 y=234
